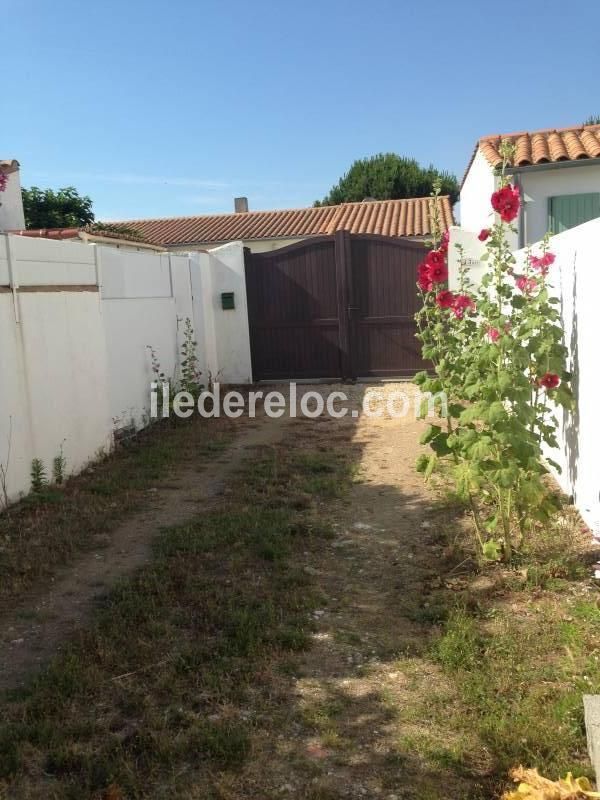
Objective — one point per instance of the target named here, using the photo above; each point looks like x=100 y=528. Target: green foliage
x=64 y=208
x=389 y=176
x=594 y=119
x=113 y=230
x=501 y=415
x=39 y=480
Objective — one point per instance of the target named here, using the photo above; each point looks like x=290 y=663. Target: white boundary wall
x=77 y=322
x=575 y=276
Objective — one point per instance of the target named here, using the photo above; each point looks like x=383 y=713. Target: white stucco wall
x=53 y=391
x=542 y=184
x=232 y=337
x=464 y=245
x=475 y=207
x=576 y=280
x=77 y=322
x=11 y=208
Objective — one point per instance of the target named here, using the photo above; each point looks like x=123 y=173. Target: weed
x=59 y=466
x=39 y=479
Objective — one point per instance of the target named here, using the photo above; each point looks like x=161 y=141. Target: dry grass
x=49 y=529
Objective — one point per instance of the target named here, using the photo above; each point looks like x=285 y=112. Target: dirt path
x=34 y=631
x=354 y=718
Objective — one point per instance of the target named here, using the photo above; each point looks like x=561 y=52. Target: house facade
x=11 y=202
x=557 y=170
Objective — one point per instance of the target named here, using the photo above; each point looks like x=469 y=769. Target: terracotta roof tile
x=540 y=147
x=409 y=217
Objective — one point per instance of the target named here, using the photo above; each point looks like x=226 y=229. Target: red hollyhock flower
x=462 y=303
x=435 y=257
x=506 y=202
x=424 y=278
x=445 y=241
x=445 y=298
x=3 y=181
x=550 y=380
x=438 y=273
x=484 y=234
x=493 y=334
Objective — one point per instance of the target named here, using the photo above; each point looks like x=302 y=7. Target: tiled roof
x=85 y=234
x=409 y=217
x=546 y=146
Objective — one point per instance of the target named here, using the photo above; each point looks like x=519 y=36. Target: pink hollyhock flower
x=550 y=380
x=462 y=303
x=542 y=263
x=3 y=181
x=493 y=334
x=445 y=299
x=484 y=234
x=506 y=202
x=525 y=284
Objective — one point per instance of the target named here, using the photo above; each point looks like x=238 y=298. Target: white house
x=11 y=203
x=558 y=171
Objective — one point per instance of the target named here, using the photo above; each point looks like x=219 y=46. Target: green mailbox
x=227 y=301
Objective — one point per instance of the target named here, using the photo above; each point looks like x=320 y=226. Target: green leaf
x=492 y=550
x=430 y=466
x=431 y=433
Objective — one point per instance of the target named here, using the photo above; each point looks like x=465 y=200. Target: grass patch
x=523 y=681
x=155 y=697
x=48 y=529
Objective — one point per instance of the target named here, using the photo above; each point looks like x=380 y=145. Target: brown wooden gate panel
x=334 y=307
x=293 y=311
x=383 y=305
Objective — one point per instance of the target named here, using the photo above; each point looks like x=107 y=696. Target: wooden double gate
x=338 y=307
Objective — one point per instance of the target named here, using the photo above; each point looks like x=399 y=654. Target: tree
x=593 y=120
x=65 y=208
x=388 y=176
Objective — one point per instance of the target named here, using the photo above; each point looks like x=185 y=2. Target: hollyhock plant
x=445 y=241
x=3 y=181
x=506 y=201
x=499 y=428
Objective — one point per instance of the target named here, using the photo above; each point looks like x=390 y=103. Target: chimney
x=240 y=205
x=11 y=201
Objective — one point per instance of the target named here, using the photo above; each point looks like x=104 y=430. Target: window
x=568 y=210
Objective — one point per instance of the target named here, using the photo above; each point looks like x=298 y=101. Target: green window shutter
x=568 y=210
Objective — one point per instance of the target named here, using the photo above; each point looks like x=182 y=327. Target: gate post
x=343 y=266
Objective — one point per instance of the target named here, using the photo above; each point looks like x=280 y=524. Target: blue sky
x=161 y=109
